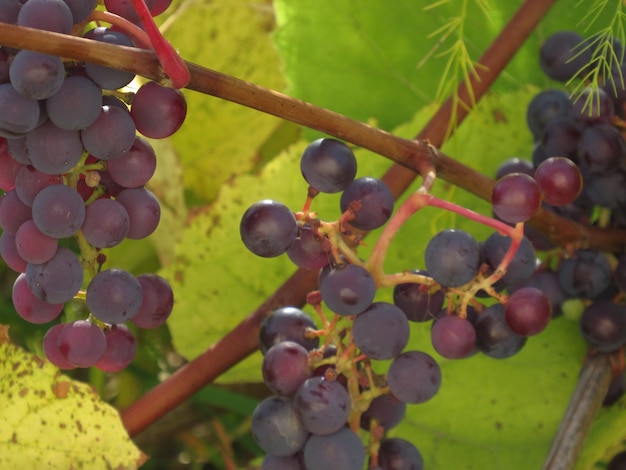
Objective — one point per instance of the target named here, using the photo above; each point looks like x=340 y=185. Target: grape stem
x=586 y=400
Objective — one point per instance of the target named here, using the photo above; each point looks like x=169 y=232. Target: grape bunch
x=73 y=170
x=579 y=162
x=326 y=383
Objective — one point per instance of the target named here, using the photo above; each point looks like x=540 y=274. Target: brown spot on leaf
x=498 y=425
x=23 y=392
x=60 y=389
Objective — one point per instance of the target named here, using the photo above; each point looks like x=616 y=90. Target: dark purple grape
x=57 y=281
x=559 y=180
x=399 y=454
x=13 y=212
x=9 y=254
x=134 y=168
x=618 y=462
x=108 y=77
x=81 y=9
x=328 y=165
x=287 y=462
x=323 y=405
x=268 y=228
x=608 y=190
x=158 y=111
x=560 y=139
x=124 y=8
x=603 y=325
x=76 y=104
x=19 y=114
x=121 y=346
x=548 y=283
x=36 y=76
x=308 y=251
x=348 y=289
x=58 y=211
x=586 y=275
x=342 y=450
x=372 y=202
x=414 y=377
x=82 y=343
x=285 y=367
x=516 y=198
x=543 y=108
x=453 y=337
x=620 y=273
x=157 y=301
x=53 y=150
x=29 y=181
x=29 y=307
x=49 y=15
x=381 y=331
x=563 y=55
x=416 y=301
x=616 y=390
x=528 y=311
x=276 y=427
x=144 y=211
x=111 y=135
x=515 y=165
x=452 y=258
x=386 y=410
x=601 y=149
x=522 y=265
x=287 y=324
x=494 y=337
x=114 y=296
x=593 y=105
x=106 y=223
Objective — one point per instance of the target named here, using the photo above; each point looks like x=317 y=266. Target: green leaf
x=50 y=421
x=220 y=139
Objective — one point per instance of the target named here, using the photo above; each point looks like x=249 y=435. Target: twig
x=590 y=391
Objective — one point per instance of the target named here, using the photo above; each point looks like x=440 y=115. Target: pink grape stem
x=173 y=65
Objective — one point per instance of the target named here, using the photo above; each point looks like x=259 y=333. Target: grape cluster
x=73 y=170
x=323 y=378
x=579 y=162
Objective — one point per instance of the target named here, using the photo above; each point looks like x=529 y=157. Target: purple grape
x=19 y=114
x=543 y=108
x=453 y=337
x=33 y=245
x=416 y=301
x=399 y=454
x=124 y=8
x=276 y=427
x=608 y=190
x=516 y=198
x=57 y=281
x=121 y=346
x=371 y=200
x=29 y=307
x=348 y=289
x=287 y=324
x=593 y=105
x=53 y=150
x=144 y=211
x=559 y=180
x=515 y=165
x=385 y=410
x=107 y=77
x=13 y=212
x=603 y=325
x=287 y=462
x=134 y=168
x=414 y=377
x=76 y=105
x=52 y=350
x=342 y=450
x=157 y=301
x=9 y=167
x=616 y=390
x=82 y=343
x=528 y=311
x=9 y=254
x=81 y=9
x=560 y=139
x=268 y=228
x=285 y=367
x=452 y=258
x=49 y=15
x=601 y=149
x=308 y=251
x=620 y=273
x=323 y=405
x=521 y=267
x=563 y=55
x=111 y=135
x=548 y=283
x=29 y=181
x=58 y=211
x=494 y=337
x=106 y=223
x=381 y=331
x=618 y=461
x=114 y=296
x=158 y=111
x=328 y=165
x=586 y=275
x=36 y=76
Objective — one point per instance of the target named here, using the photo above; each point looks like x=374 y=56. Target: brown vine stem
x=414 y=155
